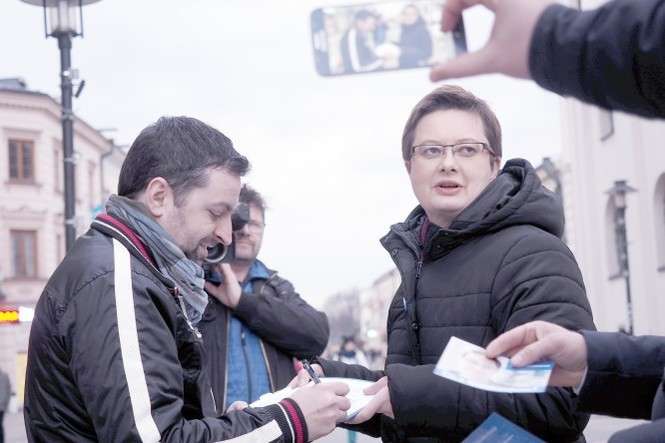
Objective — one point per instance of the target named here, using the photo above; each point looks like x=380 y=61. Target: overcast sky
x=325 y=152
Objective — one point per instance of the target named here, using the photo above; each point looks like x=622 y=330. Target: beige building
x=374 y=304
x=32 y=203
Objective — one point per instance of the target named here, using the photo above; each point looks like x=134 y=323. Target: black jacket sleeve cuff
x=296 y=420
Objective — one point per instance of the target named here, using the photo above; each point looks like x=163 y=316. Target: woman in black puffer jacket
x=480 y=255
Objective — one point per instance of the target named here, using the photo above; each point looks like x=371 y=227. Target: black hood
x=515 y=197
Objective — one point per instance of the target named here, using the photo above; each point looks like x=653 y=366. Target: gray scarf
x=171 y=261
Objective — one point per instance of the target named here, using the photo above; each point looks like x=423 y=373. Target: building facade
x=32 y=234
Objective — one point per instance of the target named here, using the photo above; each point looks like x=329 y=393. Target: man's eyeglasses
x=459 y=150
x=254 y=226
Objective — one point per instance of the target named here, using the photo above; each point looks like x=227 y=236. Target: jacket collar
x=115 y=228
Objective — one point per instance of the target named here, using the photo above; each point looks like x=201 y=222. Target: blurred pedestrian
x=5 y=395
x=350 y=354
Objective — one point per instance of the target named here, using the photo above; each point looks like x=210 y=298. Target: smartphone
x=382 y=36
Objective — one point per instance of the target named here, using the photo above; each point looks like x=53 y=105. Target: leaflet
x=466 y=363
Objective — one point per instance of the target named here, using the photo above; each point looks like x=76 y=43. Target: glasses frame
x=451 y=148
x=255 y=227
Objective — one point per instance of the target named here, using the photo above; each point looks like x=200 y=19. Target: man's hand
x=507 y=50
x=539 y=340
x=323 y=405
x=229 y=292
x=380 y=404
x=237 y=405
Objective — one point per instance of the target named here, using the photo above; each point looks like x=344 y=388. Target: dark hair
x=452 y=97
x=363 y=14
x=251 y=196
x=180 y=150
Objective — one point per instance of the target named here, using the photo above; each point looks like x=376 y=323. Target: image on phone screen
x=382 y=36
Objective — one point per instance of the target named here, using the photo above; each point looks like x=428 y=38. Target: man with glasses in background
x=256 y=324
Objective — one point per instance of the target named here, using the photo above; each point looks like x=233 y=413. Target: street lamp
x=63 y=19
x=618 y=194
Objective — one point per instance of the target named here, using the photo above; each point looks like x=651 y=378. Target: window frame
x=23 y=257
x=20 y=160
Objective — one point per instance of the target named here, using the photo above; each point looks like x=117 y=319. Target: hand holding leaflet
x=466 y=363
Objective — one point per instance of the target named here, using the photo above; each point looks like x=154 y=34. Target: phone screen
x=382 y=36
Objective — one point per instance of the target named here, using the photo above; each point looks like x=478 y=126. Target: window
x=21 y=160
x=24 y=253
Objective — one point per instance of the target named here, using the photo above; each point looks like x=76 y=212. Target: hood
x=515 y=197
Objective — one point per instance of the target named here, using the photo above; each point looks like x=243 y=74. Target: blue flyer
x=497 y=429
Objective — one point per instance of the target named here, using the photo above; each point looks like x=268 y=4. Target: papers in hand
x=466 y=363
x=356 y=395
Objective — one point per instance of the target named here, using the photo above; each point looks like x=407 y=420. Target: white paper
x=356 y=396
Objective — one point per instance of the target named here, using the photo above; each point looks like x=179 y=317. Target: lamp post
x=618 y=193
x=63 y=20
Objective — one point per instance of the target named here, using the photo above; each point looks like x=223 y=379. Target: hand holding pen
x=310 y=371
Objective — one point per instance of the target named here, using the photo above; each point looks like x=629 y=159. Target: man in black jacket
x=115 y=353
x=253 y=331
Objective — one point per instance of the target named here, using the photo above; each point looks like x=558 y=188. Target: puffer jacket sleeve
x=625 y=367
x=332 y=368
x=276 y=313
x=613 y=56
x=538 y=279
x=125 y=363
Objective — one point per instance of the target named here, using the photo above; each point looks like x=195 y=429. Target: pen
x=310 y=371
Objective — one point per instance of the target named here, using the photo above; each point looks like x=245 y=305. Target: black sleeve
x=538 y=280
x=622 y=367
x=332 y=368
x=646 y=433
x=277 y=314
x=613 y=56
x=125 y=362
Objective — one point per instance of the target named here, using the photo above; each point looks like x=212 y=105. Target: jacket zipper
x=263 y=348
x=181 y=301
x=265 y=359
x=413 y=246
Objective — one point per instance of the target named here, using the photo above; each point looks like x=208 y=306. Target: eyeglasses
x=459 y=150
x=254 y=226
